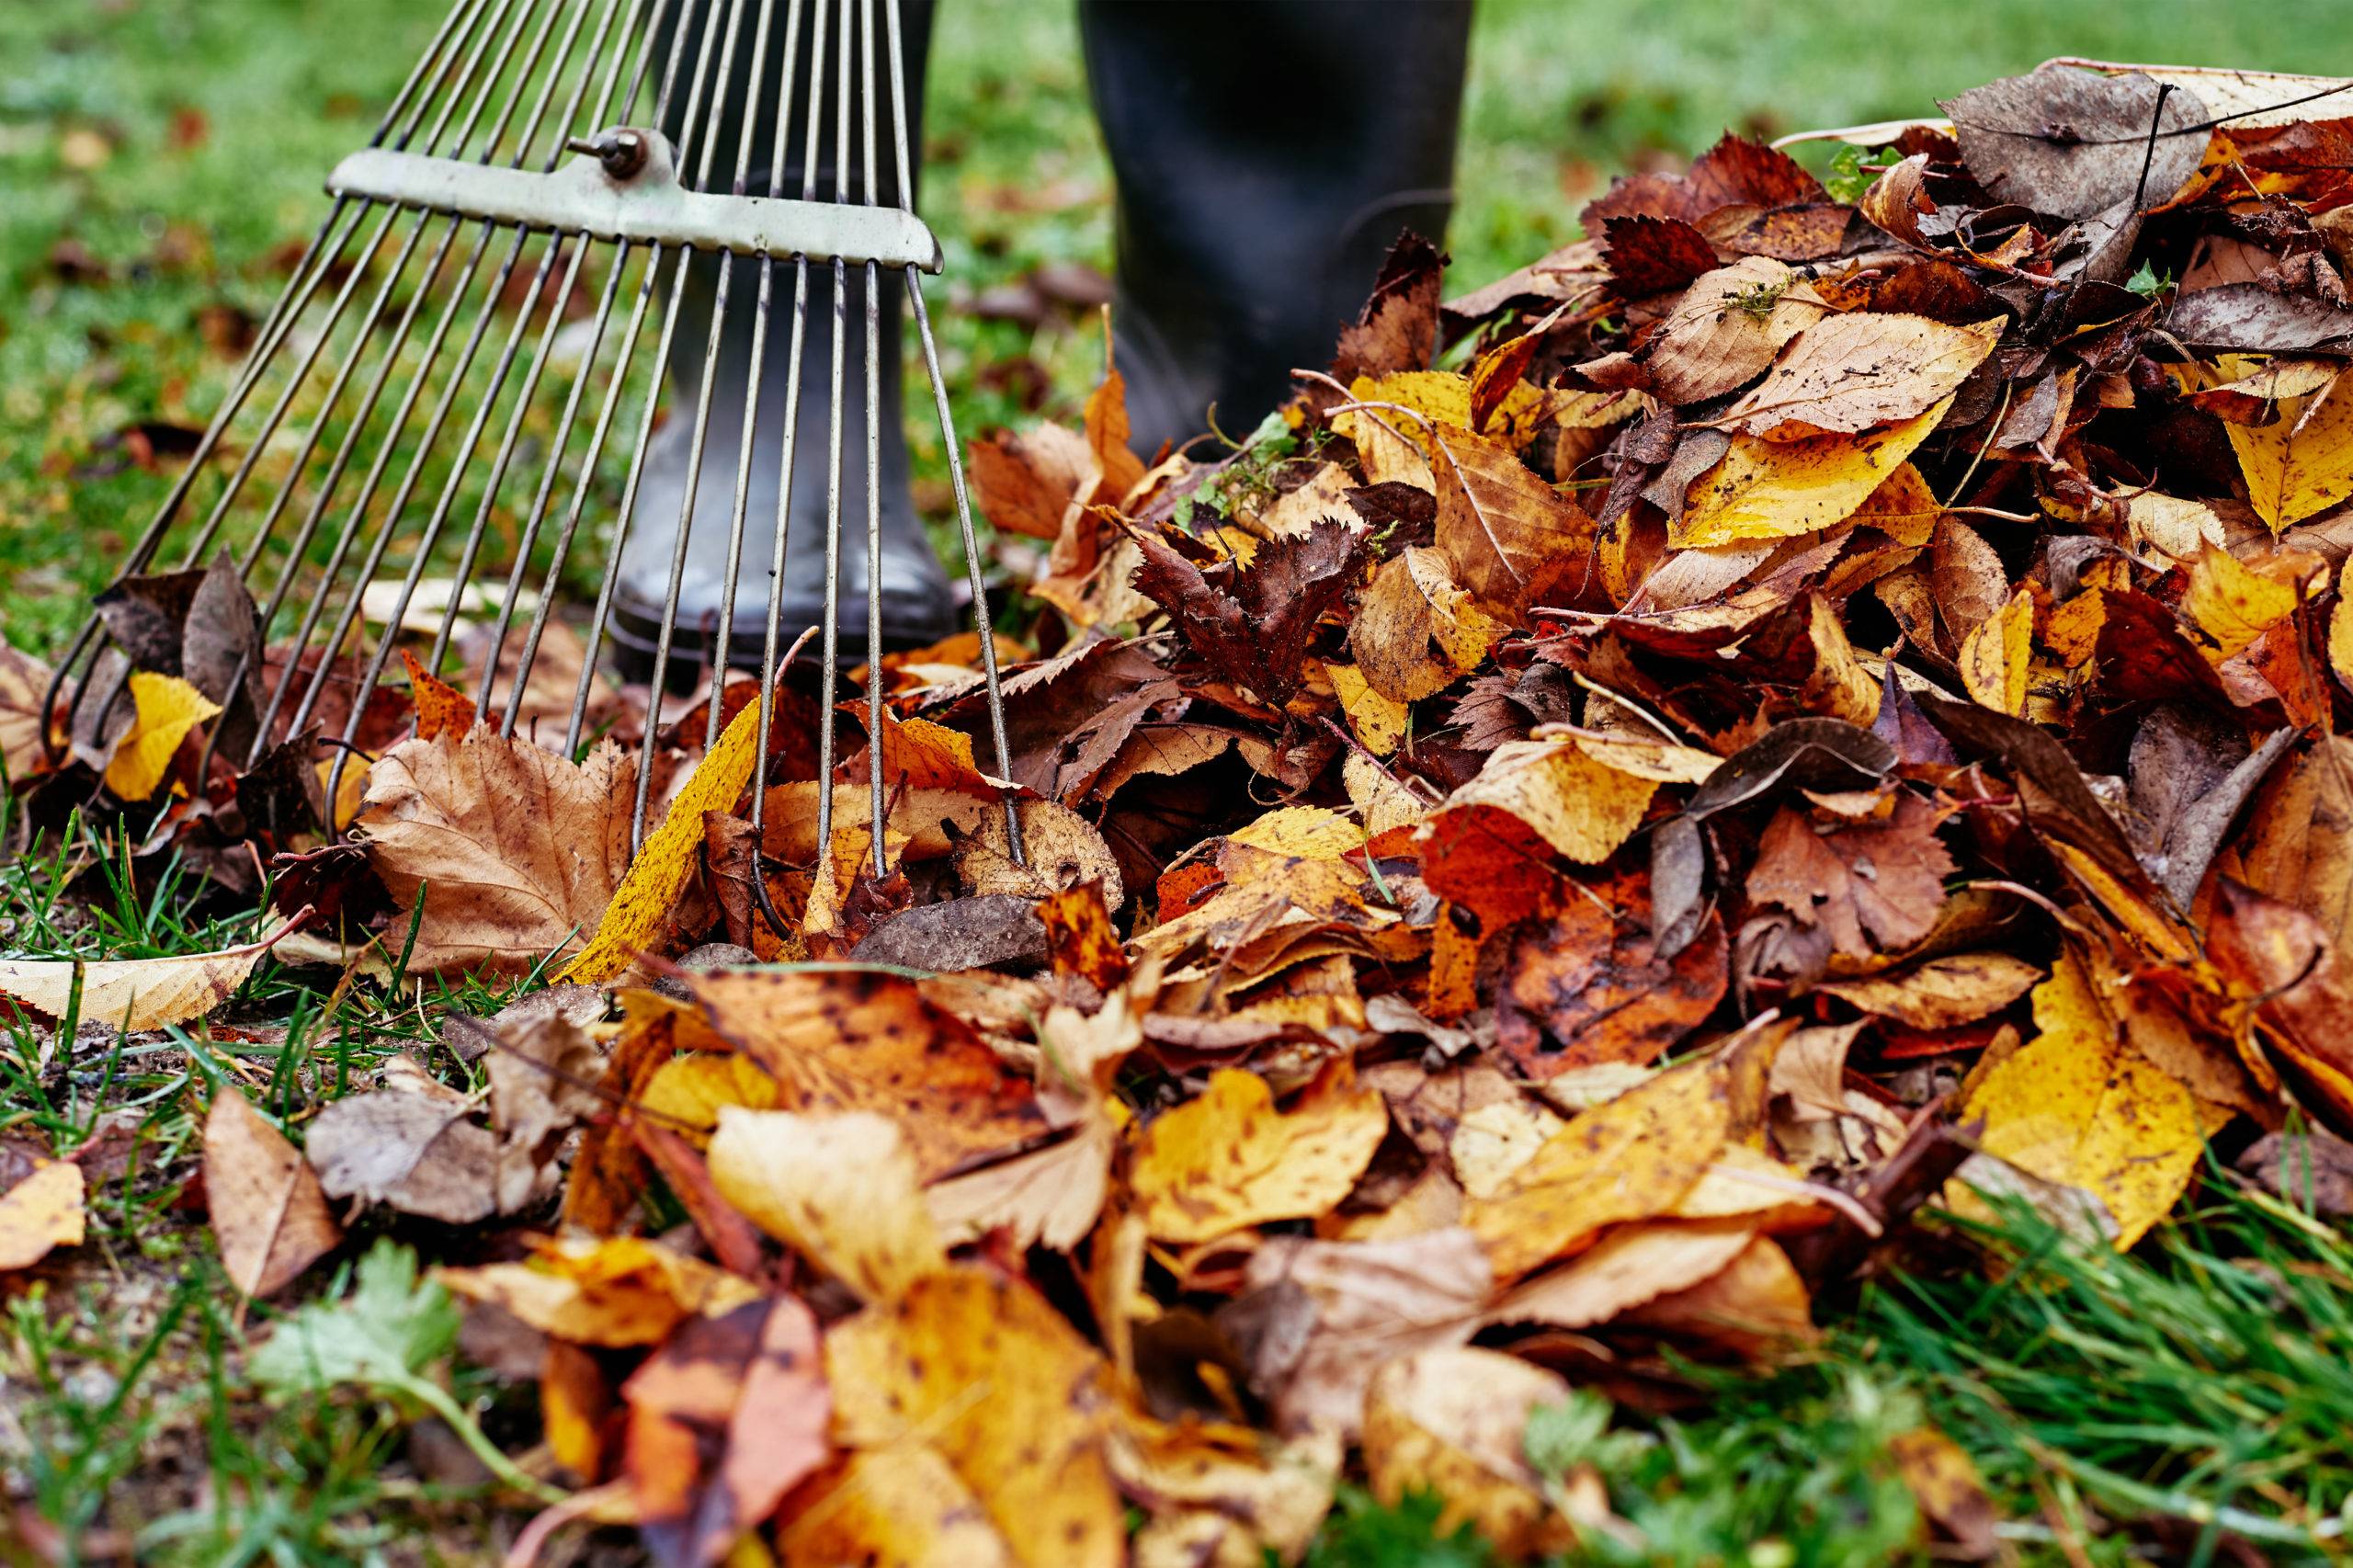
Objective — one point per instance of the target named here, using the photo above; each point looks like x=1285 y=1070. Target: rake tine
x=991 y=684
x=829 y=679
x=724 y=633
x=875 y=804
x=703 y=418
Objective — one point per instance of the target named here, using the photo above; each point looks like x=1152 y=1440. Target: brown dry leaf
x=979 y=1369
x=724 y=1419
x=1321 y=1317
x=2081 y=1107
x=166 y=709
x=131 y=995
x=1782 y=489
x=2299 y=844
x=840 y=1189
x=1755 y=1306
x=1417 y=631
x=1859 y=370
x=2285 y=957
x=1876 y=884
x=1580 y=806
x=43 y=1210
x=1060 y=850
x=1627 y=1268
x=869 y=1042
x=1024 y=484
x=1727 y=327
x=1589 y=985
x=24 y=732
x=1945 y=1483
x=656 y=875
x=269 y=1218
x=411 y=1144
x=1449 y=1421
x=1512 y=539
x=1627 y=1159
x=1049 y=1196
x=1941 y=993
x=1996 y=658
x=514 y=851
x=1228 y=1160
x=620 y=1291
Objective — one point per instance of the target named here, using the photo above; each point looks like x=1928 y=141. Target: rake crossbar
x=583 y=196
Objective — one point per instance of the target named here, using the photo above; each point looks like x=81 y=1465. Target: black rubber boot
x=919 y=606
x=1267 y=157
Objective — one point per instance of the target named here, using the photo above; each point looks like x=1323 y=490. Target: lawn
x=155 y=157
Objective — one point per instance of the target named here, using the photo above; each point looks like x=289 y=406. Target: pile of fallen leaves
x=1526 y=873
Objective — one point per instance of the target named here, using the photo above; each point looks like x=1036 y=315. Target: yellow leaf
x=2340 y=627
x=694 y=1089
x=841 y=1190
x=900 y=1506
x=669 y=856
x=1230 y=1160
x=1416 y=630
x=42 y=1212
x=1309 y=833
x=1386 y=449
x=615 y=1292
x=1581 y=807
x=167 y=709
x=134 y=993
x=978 y=1368
x=1941 y=993
x=1449 y=1421
x=1628 y=1158
x=1444 y=398
x=1945 y=1483
x=2231 y=604
x=2301 y=462
x=2080 y=1107
x=2171 y=526
x=1627 y=1269
x=1996 y=656
x=1378 y=720
x=1903 y=507
x=1379 y=799
x=1781 y=489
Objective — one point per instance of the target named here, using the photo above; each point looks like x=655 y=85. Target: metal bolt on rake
x=520 y=125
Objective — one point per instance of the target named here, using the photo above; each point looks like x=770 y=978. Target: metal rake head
x=402 y=384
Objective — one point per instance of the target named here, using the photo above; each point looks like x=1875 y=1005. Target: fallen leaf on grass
x=40 y=1212
x=514 y=851
x=270 y=1217
x=132 y=995
x=979 y=1370
x=1230 y=1160
x=840 y=1189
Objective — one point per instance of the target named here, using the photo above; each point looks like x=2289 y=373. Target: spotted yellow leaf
x=1994 y=658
